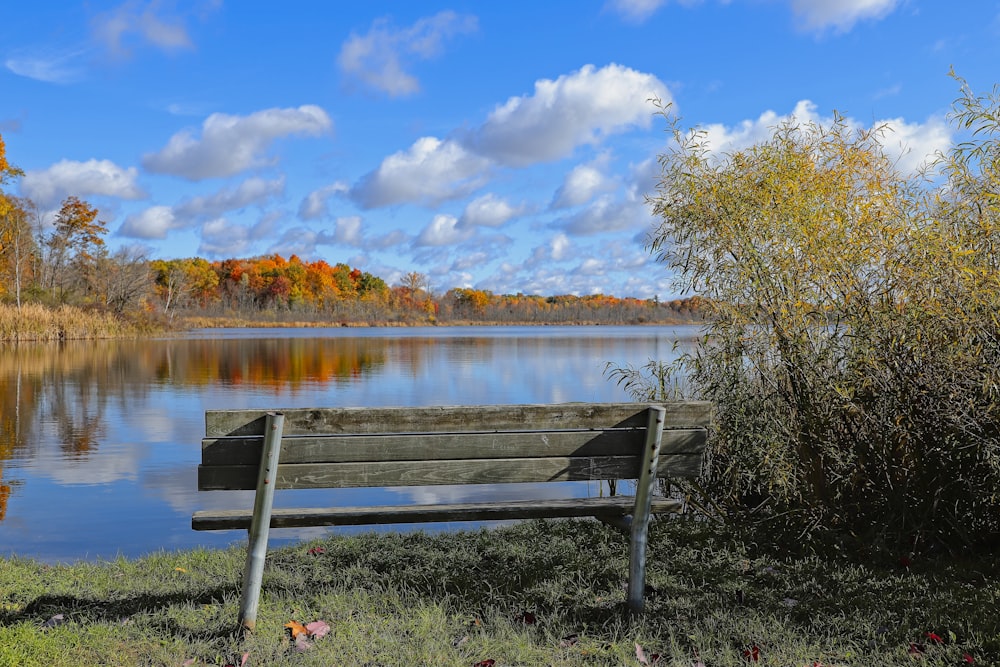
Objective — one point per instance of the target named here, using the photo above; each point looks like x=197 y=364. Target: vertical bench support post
x=643 y=500
x=260 y=524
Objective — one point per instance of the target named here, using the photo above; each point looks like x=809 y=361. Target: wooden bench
x=385 y=447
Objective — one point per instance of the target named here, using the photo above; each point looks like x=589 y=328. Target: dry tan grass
x=34 y=322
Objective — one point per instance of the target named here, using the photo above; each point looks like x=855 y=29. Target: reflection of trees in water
x=270 y=362
x=62 y=391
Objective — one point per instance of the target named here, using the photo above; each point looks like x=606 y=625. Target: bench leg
x=260 y=524
x=640 y=517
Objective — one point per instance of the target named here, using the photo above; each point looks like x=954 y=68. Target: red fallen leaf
x=489 y=662
x=316 y=551
x=752 y=654
x=916 y=650
x=968 y=659
x=934 y=638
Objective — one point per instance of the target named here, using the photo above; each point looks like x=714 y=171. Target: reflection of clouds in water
x=111 y=463
x=471 y=493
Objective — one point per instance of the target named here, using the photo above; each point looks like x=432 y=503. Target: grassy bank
x=34 y=322
x=534 y=594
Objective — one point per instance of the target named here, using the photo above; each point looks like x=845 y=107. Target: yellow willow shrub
x=852 y=348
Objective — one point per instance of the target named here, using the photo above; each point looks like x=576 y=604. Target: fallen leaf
x=317 y=629
x=243 y=661
x=934 y=638
x=916 y=650
x=316 y=551
x=752 y=654
x=302 y=643
x=640 y=655
x=296 y=629
x=489 y=662
x=180 y=569
x=968 y=659
x=58 y=619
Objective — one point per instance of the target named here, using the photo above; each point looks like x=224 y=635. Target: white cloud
x=431 y=170
x=376 y=59
x=220 y=237
x=347 y=230
x=488 y=211
x=316 y=204
x=94 y=177
x=251 y=191
x=607 y=214
x=231 y=144
x=153 y=223
x=139 y=22
x=443 y=230
x=54 y=67
x=575 y=109
x=911 y=144
x=841 y=15
x=916 y=143
x=636 y=11
x=560 y=246
x=581 y=185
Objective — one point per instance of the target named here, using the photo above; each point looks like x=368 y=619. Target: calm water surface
x=100 y=441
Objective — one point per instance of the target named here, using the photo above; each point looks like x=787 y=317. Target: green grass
x=461 y=598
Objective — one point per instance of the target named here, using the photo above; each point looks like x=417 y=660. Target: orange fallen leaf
x=296 y=629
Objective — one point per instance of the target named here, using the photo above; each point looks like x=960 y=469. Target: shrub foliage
x=852 y=348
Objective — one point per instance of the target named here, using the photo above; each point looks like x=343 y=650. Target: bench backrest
x=360 y=447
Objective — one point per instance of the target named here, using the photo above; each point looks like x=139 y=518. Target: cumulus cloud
x=581 y=185
x=488 y=211
x=910 y=144
x=377 y=58
x=220 y=237
x=443 y=230
x=249 y=192
x=47 y=187
x=607 y=214
x=841 y=15
x=315 y=205
x=231 y=144
x=153 y=223
x=347 y=231
x=431 y=170
x=575 y=109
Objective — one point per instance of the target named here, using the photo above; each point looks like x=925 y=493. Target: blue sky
x=501 y=146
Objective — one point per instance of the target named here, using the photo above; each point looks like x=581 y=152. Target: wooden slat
x=305 y=421
x=492 y=511
x=394 y=447
x=420 y=473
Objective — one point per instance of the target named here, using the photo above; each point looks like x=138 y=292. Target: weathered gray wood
x=304 y=421
x=437 y=446
x=394 y=514
x=643 y=503
x=260 y=525
x=428 y=473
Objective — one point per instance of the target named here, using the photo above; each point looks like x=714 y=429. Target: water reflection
x=99 y=441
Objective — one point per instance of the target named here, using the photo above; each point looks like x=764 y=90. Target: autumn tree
x=852 y=348
x=16 y=243
x=74 y=245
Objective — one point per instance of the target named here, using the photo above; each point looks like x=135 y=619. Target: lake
x=100 y=440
